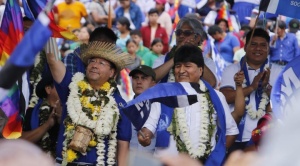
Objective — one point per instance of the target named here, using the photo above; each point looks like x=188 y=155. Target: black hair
x=258 y=32
x=155 y=41
x=136 y=32
x=189 y=53
x=214 y=29
x=124 y=21
x=218 y=21
x=131 y=40
x=281 y=24
x=25 y=18
x=103 y=33
x=152 y=11
x=47 y=80
x=88 y=30
x=75 y=30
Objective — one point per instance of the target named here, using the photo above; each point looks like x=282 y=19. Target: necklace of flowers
x=36 y=76
x=98 y=112
x=46 y=143
x=206 y=130
x=261 y=111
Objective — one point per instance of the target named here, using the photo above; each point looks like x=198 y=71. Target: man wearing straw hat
x=256 y=86
x=93 y=127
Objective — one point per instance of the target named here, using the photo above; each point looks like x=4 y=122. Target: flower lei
x=96 y=110
x=207 y=127
x=261 y=111
x=36 y=76
x=46 y=143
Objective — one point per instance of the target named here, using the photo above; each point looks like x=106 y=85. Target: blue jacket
x=135 y=14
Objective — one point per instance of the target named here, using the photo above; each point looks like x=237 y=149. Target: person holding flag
x=256 y=85
x=94 y=131
x=194 y=128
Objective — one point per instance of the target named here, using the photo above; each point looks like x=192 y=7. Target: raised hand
x=239 y=78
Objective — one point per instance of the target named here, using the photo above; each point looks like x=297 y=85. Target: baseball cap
x=294 y=25
x=161 y=1
x=145 y=70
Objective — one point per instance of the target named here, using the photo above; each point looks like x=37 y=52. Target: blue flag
x=285 y=93
x=288 y=8
x=174 y=95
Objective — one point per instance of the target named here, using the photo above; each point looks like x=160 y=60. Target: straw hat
x=107 y=51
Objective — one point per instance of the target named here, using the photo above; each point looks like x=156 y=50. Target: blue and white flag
x=170 y=94
x=288 y=8
x=285 y=93
x=218 y=59
x=179 y=95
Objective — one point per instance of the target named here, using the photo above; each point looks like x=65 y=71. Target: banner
x=285 y=93
x=289 y=8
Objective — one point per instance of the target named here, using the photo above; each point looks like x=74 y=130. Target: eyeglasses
x=186 y=33
x=98 y=61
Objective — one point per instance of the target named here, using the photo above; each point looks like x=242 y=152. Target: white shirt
x=193 y=119
x=228 y=81
x=207 y=61
x=127 y=15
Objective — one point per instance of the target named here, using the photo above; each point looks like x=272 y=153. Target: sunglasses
x=186 y=33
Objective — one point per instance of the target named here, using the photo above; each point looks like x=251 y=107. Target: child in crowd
x=132 y=47
x=156 y=51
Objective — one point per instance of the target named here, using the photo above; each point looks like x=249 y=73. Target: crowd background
x=146 y=29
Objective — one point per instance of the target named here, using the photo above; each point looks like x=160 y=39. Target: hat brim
x=108 y=52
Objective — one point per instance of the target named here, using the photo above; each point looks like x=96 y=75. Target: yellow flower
x=92 y=143
x=82 y=85
x=94 y=118
x=71 y=155
x=105 y=86
x=70 y=127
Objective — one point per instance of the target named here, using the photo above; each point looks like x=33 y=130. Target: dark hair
x=103 y=34
x=214 y=29
x=218 y=21
x=124 y=21
x=136 y=32
x=47 y=80
x=155 y=41
x=25 y=18
x=88 y=30
x=258 y=32
x=152 y=11
x=281 y=24
x=75 y=30
x=131 y=40
x=189 y=53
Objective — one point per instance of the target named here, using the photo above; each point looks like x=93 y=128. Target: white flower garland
x=199 y=151
x=34 y=98
x=253 y=113
x=104 y=126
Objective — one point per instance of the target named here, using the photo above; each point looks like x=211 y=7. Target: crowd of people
x=75 y=111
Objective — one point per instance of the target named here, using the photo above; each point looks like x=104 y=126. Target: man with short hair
x=256 y=86
x=283 y=46
x=193 y=128
x=154 y=30
x=94 y=131
x=143 y=77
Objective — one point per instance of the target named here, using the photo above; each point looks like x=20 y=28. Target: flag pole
x=109 y=20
